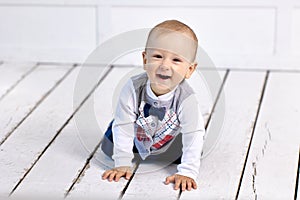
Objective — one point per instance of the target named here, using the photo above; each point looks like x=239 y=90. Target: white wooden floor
x=43 y=152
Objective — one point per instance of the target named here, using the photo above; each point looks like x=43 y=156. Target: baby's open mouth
x=163 y=76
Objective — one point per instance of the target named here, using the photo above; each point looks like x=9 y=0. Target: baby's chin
x=160 y=89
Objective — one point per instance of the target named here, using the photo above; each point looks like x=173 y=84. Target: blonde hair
x=174 y=25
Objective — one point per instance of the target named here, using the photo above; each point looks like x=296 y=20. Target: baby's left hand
x=183 y=181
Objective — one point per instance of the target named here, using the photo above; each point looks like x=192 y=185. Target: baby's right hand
x=117 y=173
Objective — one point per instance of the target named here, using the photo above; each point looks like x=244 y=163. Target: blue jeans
x=173 y=153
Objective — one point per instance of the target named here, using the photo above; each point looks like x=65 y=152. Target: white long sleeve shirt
x=182 y=116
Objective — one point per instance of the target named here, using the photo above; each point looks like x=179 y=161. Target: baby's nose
x=165 y=65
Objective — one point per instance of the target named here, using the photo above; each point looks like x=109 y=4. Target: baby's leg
x=172 y=154
x=175 y=150
x=107 y=144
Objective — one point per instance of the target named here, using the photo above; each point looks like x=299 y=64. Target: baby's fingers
x=177 y=183
x=183 y=185
x=189 y=185
x=128 y=175
x=118 y=176
x=170 y=179
x=112 y=176
x=194 y=184
x=106 y=174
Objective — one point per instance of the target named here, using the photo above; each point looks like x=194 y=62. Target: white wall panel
x=44 y=29
x=220 y=30
x=237 y=34
x=296 y=31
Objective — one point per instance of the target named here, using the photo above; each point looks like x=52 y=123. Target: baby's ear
x=144 y=58
x=191 y=69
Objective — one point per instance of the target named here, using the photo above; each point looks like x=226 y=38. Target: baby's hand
x=117 y=173
x=183 y=181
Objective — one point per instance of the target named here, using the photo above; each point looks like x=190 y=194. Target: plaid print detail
x=155 y=137
x=160 y=143
x=141 y=135
x=166 y=130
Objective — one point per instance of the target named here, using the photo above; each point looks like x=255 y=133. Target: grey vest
x=154 y=136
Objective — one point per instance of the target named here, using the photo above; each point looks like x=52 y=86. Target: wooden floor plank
x=297 y=193
x=148 y=182
x=206 y=84
x=55 y=171
x=220 y=170
x=11 y=74
x=61 y=164
x=68 y=154
x=26 y=145
x=27 y=95
x=273 y=158
x=91 y=185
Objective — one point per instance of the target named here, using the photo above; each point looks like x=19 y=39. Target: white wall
x=237 y=34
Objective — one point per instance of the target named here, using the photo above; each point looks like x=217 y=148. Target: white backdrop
x=255 y=34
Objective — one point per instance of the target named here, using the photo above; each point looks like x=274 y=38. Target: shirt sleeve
x=193 y=131
x=123 y=126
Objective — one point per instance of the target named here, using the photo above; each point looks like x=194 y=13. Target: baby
x=157 y=115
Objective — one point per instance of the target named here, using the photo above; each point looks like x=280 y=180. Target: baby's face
x=167 y=61
x=166 y=69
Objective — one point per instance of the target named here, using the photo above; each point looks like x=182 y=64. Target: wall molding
x=282 y=55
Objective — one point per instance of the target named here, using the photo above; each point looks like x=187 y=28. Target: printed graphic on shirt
x=153 y=132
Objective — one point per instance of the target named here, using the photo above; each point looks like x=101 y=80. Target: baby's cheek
x=178 y=78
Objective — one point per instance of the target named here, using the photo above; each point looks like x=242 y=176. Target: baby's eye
x=157 y=56
x=177 y=60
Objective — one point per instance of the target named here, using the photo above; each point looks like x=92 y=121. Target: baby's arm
x=123 y=134
x=192 y=140
x=117 y=172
